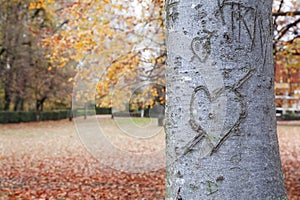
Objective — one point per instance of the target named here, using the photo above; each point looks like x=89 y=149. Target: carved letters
x=234 y=30
x=243 y=26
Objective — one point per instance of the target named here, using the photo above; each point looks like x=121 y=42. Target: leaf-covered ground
x=46 y=160
x=289 y=142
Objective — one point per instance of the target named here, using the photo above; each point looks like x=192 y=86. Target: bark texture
x=220 y=112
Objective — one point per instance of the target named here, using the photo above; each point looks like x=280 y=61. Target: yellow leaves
x=150 y=102
x=130 y=21
x=106 y=1
x=46 y=42
x=118 y=7
x=36 y=5
x=85 y=41
x=78 y=45
x=154 y=92
x=71 y=79
x=62 y=64
x=89 y=31
x=291 y=14
x=160 y=60
x=39 y=4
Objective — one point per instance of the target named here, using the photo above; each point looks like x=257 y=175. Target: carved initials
x=242 y=20
x=245 y=23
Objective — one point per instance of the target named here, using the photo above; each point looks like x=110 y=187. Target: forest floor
x=46 y=160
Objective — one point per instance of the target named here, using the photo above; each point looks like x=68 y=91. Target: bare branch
x=290 y=13
x=285 y=29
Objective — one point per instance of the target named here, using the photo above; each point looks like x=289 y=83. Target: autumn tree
x=14 y=53
x=148 y=34
x=286 y=16
x=286 y=41
x=27 y=74
x=221 y=126
x=144 y=59
x=113 y=42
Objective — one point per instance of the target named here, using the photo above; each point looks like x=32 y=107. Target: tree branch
x=284 y=30
x=290 y=13
x=2 y=51
x=61 y=25
x=275 y=18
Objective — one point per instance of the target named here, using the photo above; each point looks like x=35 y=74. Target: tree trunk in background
x=220 y=112
x=7 y=99
x=39 y=107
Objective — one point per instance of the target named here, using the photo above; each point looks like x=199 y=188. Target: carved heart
x=210 y=119
x=201 y=47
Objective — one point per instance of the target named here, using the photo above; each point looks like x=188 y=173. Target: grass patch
x=135 y=121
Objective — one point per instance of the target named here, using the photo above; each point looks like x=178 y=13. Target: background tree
x=286 y=23
x=221 y=126
x=28 y=76
x=286 y=48
x=66 y=32
x=148 y=55
x=113 y=42
x=14 y=53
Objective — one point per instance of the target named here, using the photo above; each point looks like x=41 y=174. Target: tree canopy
x=113 y=46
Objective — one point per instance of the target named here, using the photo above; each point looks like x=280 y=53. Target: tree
x=220 y=114
x=286 y=23
x=27 y=75
x=286 y=17
x=14 y=50
x=111 y=40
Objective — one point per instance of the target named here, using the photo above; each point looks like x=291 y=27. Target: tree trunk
x=85 y=111
x=40 y=104
x=220 y=111
x=39 y=107
x=7 y=99
x=19 y=103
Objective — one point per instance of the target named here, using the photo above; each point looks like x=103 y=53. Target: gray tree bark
x=220 y=111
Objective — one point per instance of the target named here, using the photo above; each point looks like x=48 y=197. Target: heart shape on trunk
x=201 y=47
x=214 y=116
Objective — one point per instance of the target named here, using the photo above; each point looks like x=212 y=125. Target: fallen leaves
x=51 y=163
x=289 y=140
x=46 y=161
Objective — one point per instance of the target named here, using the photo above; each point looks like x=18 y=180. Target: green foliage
x=27 y=116
x=82 y=112
x=103 y=111
x=64 y=114
x=54 y=115
x=9 y=117
x=291 y=116
x=17 y=117
x=49 y=116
